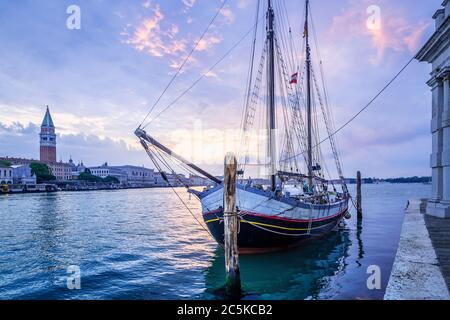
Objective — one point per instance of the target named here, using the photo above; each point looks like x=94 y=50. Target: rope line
x=184 y=62
x=200 y=78
x=277 y=232
x=362 y=110
x=152 y=156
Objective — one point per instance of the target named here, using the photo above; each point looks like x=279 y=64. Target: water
x=142 y=244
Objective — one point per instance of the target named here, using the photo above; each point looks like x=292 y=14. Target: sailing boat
x=271 y=218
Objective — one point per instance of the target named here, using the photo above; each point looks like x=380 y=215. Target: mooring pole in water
x=231 y=225
x=358 y=195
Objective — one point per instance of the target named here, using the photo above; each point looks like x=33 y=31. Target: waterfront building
x=6 y=175
x=177 y=179
x=138 y=176
x=436 y=51
x=47 y=139
x=62 y=171
x=158 y=179
x=195 y=180
x=22 y=174
x=76 y=170
x=18 y=161
x=105 y=171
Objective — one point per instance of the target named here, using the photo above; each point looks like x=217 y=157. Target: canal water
x=143 y=244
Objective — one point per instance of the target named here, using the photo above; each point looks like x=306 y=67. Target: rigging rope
x=184 y=62
x=157 y=165
x=363 y=109
x=200 y=78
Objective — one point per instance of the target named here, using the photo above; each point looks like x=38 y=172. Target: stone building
x=22 y=174
x=105 y=171
x=136 y=176
x=47 y=139
x=195 y=180
x=76 y=170
x=436 y=51
x=6 y=175
x=62 y=171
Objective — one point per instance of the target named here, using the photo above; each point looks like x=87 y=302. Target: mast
x=271 y=94
x=308 y=98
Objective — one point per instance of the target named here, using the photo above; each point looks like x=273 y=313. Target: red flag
x=294 y=78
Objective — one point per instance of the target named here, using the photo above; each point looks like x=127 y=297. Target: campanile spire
x=47 y=139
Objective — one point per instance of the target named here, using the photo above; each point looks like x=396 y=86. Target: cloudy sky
x=100 y=80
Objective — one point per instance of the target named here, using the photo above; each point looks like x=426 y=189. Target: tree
x=111 y=179
x=4 y=163
x=86 y=176
x=42 y=172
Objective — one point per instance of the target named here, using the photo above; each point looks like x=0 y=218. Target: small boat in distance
x=284 y=96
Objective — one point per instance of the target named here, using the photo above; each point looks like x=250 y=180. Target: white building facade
x=136 y=176
x=22 y=174
x=195 y=180
x=6 y=175
x=105 y=171
x=437 y=52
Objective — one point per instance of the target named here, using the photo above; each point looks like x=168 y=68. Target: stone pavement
x=416 y=274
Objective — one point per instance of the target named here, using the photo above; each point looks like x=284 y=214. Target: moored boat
x=271 y=223
x=17 y=188
x=272 y=217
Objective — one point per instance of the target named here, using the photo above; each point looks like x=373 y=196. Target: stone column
x=446 y=141
x=436 y=130
x=439 y=205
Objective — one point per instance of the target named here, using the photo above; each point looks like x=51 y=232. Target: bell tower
x=47 y=139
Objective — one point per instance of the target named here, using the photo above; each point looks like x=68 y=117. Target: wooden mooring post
x=231 y=225
x=358 y=195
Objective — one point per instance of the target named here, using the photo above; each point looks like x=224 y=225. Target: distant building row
x=20 y=173
x=140 y=176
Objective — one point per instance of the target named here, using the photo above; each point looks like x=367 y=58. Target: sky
x=101 y=79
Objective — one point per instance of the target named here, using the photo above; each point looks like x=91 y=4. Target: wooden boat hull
x=265 y=229
x=260 y=234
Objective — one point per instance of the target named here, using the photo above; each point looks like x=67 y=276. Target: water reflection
x=142 y=244
x=295 y=274
x=359 y=228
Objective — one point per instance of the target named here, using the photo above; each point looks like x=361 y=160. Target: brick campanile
x=47 y=139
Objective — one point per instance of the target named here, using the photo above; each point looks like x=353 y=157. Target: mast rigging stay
x=141 y=134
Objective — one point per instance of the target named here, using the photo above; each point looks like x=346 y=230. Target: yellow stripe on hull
x=274 y=226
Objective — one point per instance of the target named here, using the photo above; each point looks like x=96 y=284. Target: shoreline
x=89 y=189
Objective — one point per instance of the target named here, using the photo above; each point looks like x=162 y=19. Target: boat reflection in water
x=301 y=273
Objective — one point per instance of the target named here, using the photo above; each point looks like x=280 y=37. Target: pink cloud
x=208 y=42
x=159 y=38
x=227 y=14
x=149 y=37
x=395 y=32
